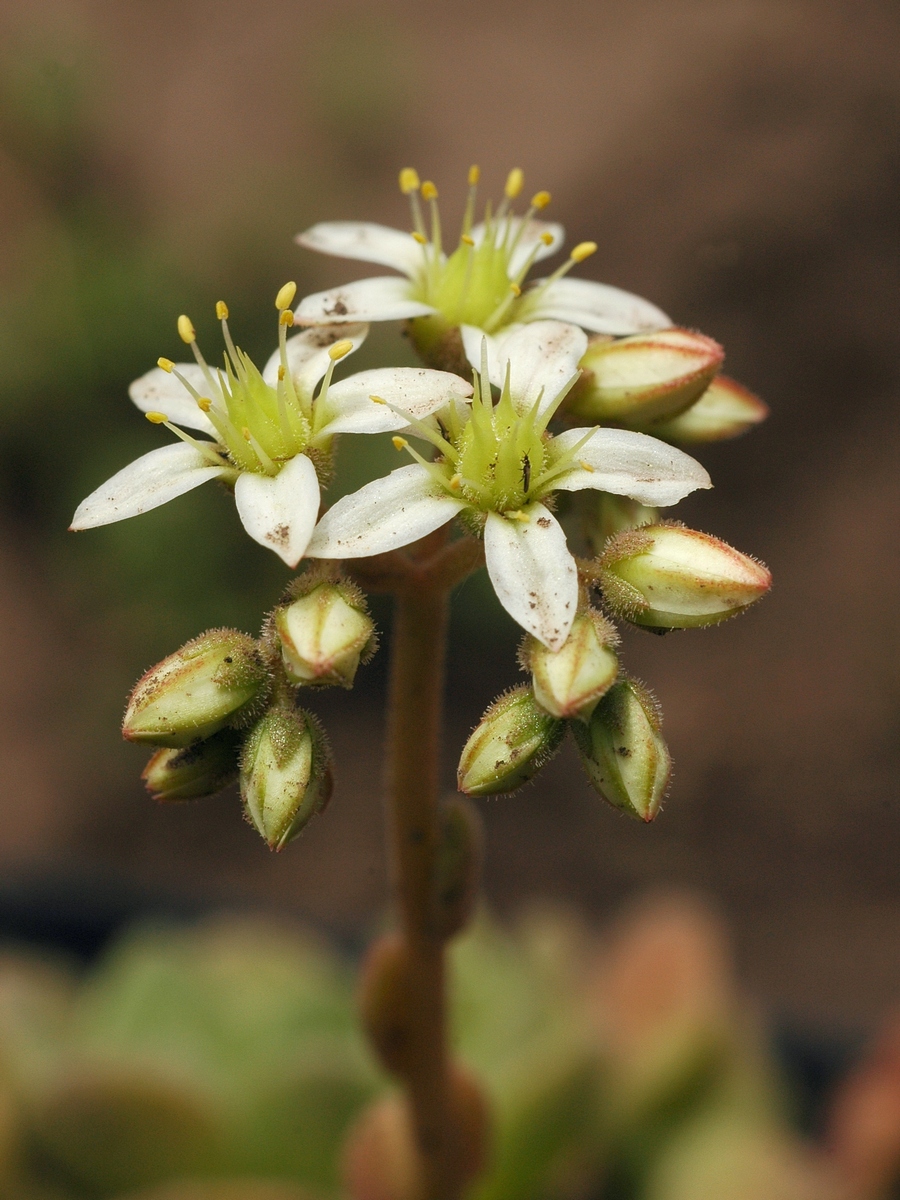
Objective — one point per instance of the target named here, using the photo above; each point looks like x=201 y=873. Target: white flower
x=498 y=464
x=478 y=284
x=270 y=428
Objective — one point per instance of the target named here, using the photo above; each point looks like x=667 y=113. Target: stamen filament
x=265 y=462
x=204 y=448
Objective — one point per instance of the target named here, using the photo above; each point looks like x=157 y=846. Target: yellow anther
x=339 y=349
x=518 y=515
x=466 y=240
x=474 y=175
x=377 y=400
x=514 y=183
x=420 y=237
x=585 y=465
x=204 y=404
x=280 y=374
x=166 y=364
x=156 y=418
x=540 y=199
x=186 y=330
x=399 y=443
x=409 y=180
x=285 y=297
x=221 y=310
x=515 y=289
x=246 y=434
x=429 y=191
x=286 y=318
x=582 y=251
x=456 y=482
x=547 y=238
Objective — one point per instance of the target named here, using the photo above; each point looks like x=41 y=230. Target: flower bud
x=323 y=635
x=670 y=577
x=569 y=682
x=514 y=739
x=725 y=410
x=285 y=774
x=647 y=377
x=195 y=771
x=623 y=752
x=458 y=867
x=212 y=681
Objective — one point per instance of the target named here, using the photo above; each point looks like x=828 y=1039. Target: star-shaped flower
x=480 y=283
x=272 y=430
x=497 y=469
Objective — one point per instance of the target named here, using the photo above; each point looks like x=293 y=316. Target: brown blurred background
x=736 y=160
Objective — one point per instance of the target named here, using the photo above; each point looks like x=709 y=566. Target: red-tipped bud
x=201 y=769
x=725 y=410
x=670 y=577
x=570 y=681
x=212 y=681
x=286 y=774
x=647 y=377
x=513 y=740
x=623 y=752
x=324 y=634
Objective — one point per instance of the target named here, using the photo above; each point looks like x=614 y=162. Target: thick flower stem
x=415 y=711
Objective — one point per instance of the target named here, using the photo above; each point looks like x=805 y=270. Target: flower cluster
x=546 y=422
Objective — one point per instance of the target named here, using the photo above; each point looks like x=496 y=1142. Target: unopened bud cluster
x=225 y=707
x=659 y=576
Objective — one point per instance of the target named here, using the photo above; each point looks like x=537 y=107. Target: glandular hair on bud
x=667 y=576
x=645 y=377
x=513 y=740
x=458 y=866
x=385 y=1003
x=569 y=682
x=192 y=772
x=286 y=776
x=725 y=410
x=324 y=635
x=623 y=752
x=217 y=679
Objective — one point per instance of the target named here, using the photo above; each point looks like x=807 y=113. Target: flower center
x=259 y=426
x=494 y=456
x=480 y=282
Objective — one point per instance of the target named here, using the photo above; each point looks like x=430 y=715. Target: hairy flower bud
x=513 y=740
x=623 y=752
x=212 y=681
x=324 y=634
x=285 y=774
x=670 y=577
x=646 y=377
x=195 y=771
x=569 y=682
x=725 y=410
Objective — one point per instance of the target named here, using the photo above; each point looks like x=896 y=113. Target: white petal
x=384 y=298
x=149 y=481
x=415 y=390
x=533 y=573
x=472 y=340
x=160 y=391
x=365 y=242
x=307 y=353
x=631 y=464
x=530 y=237
x=595 y=306
x=542 y=356
x=280 y=511
x=384 y=515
